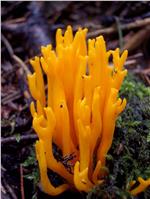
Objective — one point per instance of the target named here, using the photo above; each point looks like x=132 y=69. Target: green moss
x=130 y=151
x=32 y=172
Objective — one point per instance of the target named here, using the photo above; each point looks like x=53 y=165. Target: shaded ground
x=25 y=27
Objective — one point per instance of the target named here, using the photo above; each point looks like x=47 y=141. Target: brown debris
x=136 y=24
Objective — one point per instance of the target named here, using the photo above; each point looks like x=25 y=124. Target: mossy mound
x=129 y=156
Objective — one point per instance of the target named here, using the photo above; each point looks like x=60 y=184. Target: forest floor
x=25 y=27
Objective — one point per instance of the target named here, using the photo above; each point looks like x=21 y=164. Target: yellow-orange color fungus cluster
x=78 y=109
x=143 y=184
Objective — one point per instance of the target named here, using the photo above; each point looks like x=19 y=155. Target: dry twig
x=12 y=139
x=132 y=25
x=137 y=39
x=15 y=57
x=22 y=183
x=130 y=63
x=23 y=67
x=10 y=97
x=9 y=189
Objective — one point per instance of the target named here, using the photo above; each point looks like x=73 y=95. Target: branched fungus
x=78 y=110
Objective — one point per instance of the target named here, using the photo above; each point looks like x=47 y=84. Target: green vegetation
x=32 y=173
x=129 y=156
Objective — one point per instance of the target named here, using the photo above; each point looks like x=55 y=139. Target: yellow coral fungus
x=78 y=110
x=143 y=184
